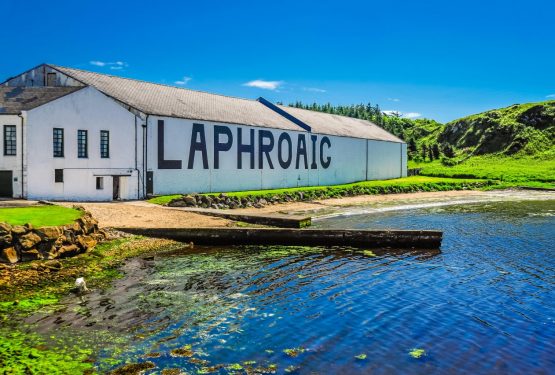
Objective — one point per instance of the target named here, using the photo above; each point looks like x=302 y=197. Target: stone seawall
x=20 y=243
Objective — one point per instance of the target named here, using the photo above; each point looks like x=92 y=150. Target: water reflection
x=483 y=304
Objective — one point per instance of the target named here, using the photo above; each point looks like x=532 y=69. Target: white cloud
x=183 y=82
x=98 y=63
x=551 y=96
x=266 y=85
x=314 y=89
x=116 y=65
x=394 y=99
x=412 y=115
x=409 y=115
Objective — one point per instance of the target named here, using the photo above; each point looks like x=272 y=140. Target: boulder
x=74 y=227
x=49 y=233
x=19 y=229
x=5 y=229
x=6 y=240
x=8 y=255
x=68 y=251
x=189 y=200
x=86 y=242
x=29 y=240
x=31 y=254
x=177 y=203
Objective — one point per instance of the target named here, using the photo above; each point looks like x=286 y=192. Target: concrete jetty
x=272 y=219
x=422 y=239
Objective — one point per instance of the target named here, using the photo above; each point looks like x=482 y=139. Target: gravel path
x=146 y=215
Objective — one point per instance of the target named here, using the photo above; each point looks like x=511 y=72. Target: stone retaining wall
x=223 y=201
x=20 y=243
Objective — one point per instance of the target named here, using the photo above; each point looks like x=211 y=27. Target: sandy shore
x=147 y=215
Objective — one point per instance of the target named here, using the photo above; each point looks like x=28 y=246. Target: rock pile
x=223 y=201
x=20 y=243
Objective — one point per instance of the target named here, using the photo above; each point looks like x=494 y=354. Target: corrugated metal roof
x=325 y=123
x=13 y=100
x=163 y=100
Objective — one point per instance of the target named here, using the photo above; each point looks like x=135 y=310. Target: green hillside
x=513 y=144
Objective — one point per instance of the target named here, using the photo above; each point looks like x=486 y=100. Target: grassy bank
x=533 y=171
x=398 y=185
x=39 y=216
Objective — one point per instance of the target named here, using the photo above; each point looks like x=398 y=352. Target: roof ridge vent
x=281 y=112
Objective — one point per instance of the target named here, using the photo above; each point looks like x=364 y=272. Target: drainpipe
x=145 y=155
x=20 y=115
x=136 y=156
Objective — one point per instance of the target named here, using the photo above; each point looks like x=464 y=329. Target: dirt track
x=147 y=215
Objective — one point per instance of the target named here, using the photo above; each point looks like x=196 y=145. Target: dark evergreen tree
x=424 y=152
x=436 y=151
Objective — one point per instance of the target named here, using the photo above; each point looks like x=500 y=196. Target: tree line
x=412 y=131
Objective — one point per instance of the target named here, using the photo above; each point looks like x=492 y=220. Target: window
x=58 y=175
x=99 y=183
x=104 y=144
x=58 y=137
x=82 y=151
x=9 y=140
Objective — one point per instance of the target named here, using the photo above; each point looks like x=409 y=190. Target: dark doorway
x=6 y=186
x=149 y=183
x=115 y=194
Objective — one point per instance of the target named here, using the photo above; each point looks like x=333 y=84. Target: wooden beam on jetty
x=422 y=239
x=272 y=219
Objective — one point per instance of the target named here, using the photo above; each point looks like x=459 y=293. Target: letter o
x=285 y=163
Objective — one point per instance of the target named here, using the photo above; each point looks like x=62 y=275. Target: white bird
x=81 y=285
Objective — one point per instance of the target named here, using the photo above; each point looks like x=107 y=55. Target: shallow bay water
x=484 y=304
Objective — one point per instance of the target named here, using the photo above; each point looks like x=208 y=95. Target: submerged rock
x=133 y=368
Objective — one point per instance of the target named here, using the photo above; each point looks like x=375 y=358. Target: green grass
x=398 y=185
x=164 y=199
x=414 y=181
x=534 y=171
x=39 y=216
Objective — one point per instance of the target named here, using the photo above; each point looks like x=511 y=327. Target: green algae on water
x=294 y=352
x=417 y=353
x=28 y=353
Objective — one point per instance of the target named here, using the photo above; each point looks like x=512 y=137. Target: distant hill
x=524 y=129
x=519 y=129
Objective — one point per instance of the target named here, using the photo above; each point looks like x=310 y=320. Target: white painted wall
x=12 y=163
x=348 y=162
x=384 y=160
x=86 y=109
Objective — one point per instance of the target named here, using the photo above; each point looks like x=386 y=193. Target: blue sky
x=437 y=59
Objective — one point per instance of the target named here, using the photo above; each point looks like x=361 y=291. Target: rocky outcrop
x=24 y=243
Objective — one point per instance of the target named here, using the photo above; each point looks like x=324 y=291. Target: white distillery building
x=70 y=134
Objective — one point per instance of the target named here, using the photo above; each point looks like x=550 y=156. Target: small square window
x=99 y=183
x=58 y=175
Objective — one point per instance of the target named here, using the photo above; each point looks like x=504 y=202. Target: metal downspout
x=145 y=154
x=20 y=115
